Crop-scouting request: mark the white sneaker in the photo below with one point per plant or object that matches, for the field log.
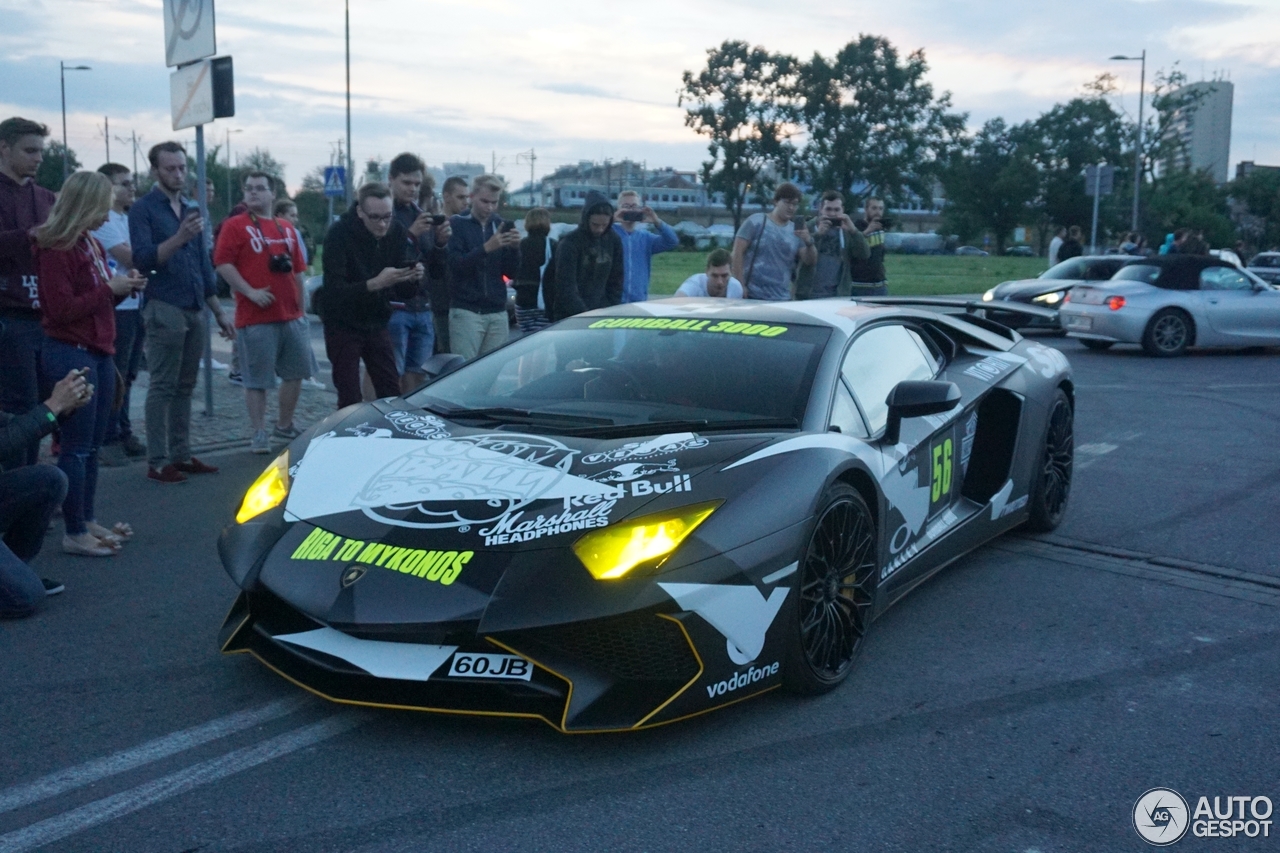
(217, 365)
(312, 382)
(260, 443)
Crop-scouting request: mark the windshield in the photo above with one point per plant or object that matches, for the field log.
(1071, 269)
(1147, 273)
(1265, 261)
(606, 371)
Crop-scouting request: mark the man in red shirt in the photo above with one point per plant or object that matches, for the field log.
(260, 256)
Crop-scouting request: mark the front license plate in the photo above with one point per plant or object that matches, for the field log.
(1079, 323)
(471, 665)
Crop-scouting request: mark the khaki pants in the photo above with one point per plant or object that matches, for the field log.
(472, 334)
(174, 345)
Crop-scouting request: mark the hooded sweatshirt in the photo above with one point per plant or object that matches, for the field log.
(588, 268)
(352, 256)
(22, 207)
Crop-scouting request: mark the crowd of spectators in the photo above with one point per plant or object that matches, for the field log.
(97, 284)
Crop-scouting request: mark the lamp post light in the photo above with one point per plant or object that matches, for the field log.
(1137, 144)
(229, 132)
(350, 178)
(63, 68)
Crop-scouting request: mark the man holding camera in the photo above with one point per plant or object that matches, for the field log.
(260, 257)
(840, 246)
(412, 325)
(166, 233)
(639, 245)
(868, 276)
(482, 250)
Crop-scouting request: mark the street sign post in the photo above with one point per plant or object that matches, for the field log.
(335, 181)
(188, 31)
(1099, 180)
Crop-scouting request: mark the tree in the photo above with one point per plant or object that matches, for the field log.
(739, 102)
(1187, 199)
(990, 184)
(1257, 200)
(49, 174)
(871, 116)
(1064, 140)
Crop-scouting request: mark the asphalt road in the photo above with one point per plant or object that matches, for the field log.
(1020, 701)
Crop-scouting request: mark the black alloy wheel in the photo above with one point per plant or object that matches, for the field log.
(1167, 334)
(1053, 478)
(835, 585)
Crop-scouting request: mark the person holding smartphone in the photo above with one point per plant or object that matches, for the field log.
(768, 247)
(78, 295)
(639, 245)
(868, 276)
(483, 251)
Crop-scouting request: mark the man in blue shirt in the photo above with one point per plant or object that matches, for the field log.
(166, 233)
(483, 251)
(638, 245)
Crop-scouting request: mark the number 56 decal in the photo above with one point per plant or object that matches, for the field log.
(941, 481)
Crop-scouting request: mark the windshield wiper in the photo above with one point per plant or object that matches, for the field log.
(511, 414)
(658, 427)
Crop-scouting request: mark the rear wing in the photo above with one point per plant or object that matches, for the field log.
(976, 311)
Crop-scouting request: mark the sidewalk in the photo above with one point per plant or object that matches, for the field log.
(228, 425)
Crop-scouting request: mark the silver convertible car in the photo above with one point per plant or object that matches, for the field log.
(1169, 303)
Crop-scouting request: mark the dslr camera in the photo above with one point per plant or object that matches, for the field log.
(280, 263)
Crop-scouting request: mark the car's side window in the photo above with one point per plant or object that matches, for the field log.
(845, 414)
(1098, 272)
(1222, 278)
(879, 359)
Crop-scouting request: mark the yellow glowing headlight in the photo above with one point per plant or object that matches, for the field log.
(268, 491)
(614, 551)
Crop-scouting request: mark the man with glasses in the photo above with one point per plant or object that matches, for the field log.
(166, 234)
(639, 245)
(260, 257)
(114, 237)
(364, 268)
(768, 245)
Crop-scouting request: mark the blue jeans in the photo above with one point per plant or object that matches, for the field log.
(82, 430)
(129, 338)
(28, 496)
(21, 340)
(413, 335)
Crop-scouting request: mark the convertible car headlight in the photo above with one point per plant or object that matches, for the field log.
(1049, 298)
(268, 491)
(989, 295)
(612, 552)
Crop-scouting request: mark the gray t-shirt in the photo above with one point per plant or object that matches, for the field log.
(770, 257)
(826, 277)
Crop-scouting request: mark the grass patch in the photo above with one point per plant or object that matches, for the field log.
(909, 275)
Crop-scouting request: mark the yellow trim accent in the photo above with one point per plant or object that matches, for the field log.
(564, 716)
(678, 693)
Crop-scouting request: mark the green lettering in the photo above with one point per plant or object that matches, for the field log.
(307, 544)
(350, 549)
(456, 569)
(437, 568)
(370, 553)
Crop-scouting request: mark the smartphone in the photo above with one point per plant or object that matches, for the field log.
(507, 226)
(633, 216)
(835, 223)
(799, 223)
(439, 219)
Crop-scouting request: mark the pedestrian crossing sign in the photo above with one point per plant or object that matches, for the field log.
(335, 181)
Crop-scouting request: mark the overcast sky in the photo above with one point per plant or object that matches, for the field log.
(461, 81)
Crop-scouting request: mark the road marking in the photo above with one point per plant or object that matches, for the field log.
(71, 778)
(1091, 453)
(148, 794)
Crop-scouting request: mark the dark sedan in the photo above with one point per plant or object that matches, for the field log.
(1049, 288)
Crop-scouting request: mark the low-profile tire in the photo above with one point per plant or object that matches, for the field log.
(1098, 345)
(830, 612)
(1169, 332)
(1052, 486)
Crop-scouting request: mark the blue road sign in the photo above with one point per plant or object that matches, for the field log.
(335, 181)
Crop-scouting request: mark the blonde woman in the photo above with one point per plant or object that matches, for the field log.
(78, 295)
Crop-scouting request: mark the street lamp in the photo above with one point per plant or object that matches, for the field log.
(63, 68)
(350, 161)
(229, 132)
(1137, 145)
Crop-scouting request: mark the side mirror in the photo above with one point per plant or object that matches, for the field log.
(915, 399)
(441, 363)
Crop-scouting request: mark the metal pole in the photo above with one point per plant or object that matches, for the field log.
(1137, 154)
(202, 196)
(229, 169)
(1097, 194)
(62, 80)
(106, 134)
(350, 177)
